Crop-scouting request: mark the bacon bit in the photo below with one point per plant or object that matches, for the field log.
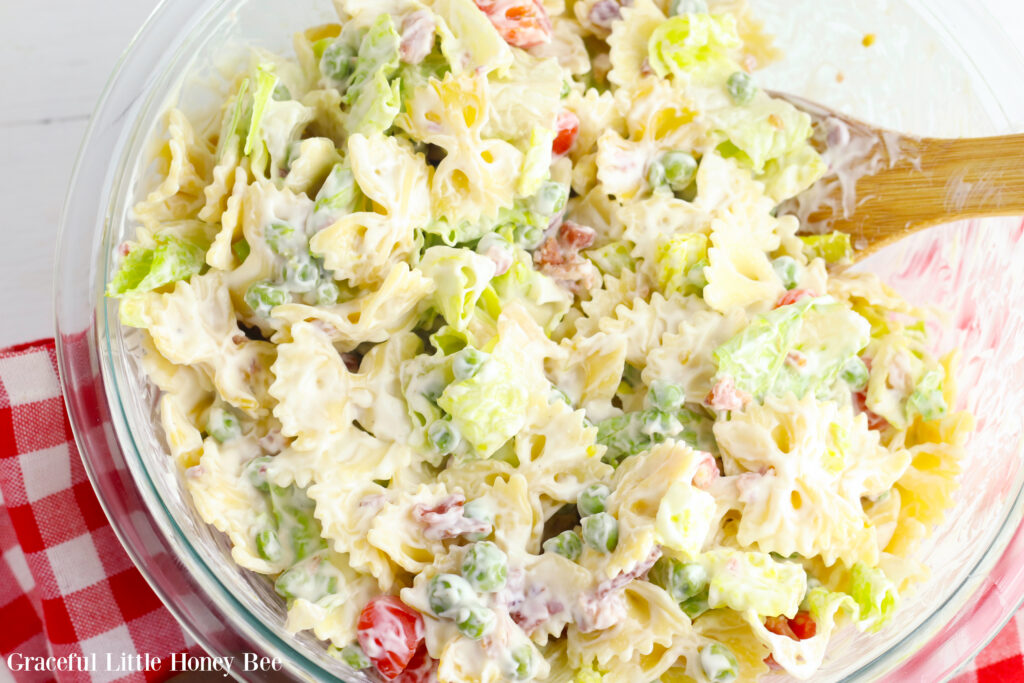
(645, 67)
(273, 441)
(606, 588)
(123, 249)
(559, 257)
(417, 36)
(776, 122)
(501, 258)
(575, 236)
(376, 501)
(899, 375)
(797, 359)
(567, 128)
(528, 606)
(604, 13)
(794, 295)
(351, 361)
(238, 338)
(325, 327)
(875, 421)
(595, 614)
(707, 471)
(726, 396)
(447, 519)
(521, 23)
(772, 664)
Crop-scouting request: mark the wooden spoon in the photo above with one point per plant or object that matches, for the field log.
(881, 185)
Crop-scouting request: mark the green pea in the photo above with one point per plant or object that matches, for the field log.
(268, 545)
(310, 580)
(281, 93)
(475, 621)
(591, 500)
(326, 293)
(786, 268)
(279, 237)
(855, 373)
(262, 297)
(656, 175)
(479, 510)
(680, 7)
(354, 656)
(741, 87)
(447, 592)
(680, 169)
(443, 436)
(695, 606)
(485, 566)
(519, 665)
(528, 236)
(567, 544)
(222, 424)
(306, 538)
(467, 362)
(302, 274)
(550, 198)
(601, 532)
(680, 580)
(337, 61)
(256, 471)
(719, 663)
(666, 396)
(566, 90)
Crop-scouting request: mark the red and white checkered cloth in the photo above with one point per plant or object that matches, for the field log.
(66, 584)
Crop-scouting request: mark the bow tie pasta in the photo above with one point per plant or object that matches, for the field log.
(477, 330)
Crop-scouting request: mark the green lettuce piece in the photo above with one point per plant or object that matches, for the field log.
(698, 45)
(612, 258)
(488, 408)
(875, 595)
(754, 581)
(144, 269)
(632, 433)
(414, 76)
(542, 297)
(536, 162)
(235, 126)
(266, 81)
(373, 99)
(927, 399)
(337, 57)
(460, 277)
(833, 247)
(679, 263)
(796, 348)
(763, 130)
(789, 175)
(512, 218)
(424, 379)
(339, 194)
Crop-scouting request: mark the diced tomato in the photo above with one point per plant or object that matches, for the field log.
(421, 668)
(389, 632)
(803, 626)
(567, 127)
(800, 627)
(521, 23)
(794, 295)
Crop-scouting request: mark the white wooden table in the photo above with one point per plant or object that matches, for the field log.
(55, 57)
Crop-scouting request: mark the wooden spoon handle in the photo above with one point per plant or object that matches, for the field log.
(932, 181)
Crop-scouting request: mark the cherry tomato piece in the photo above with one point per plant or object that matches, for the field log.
(389, 632)
(567, 127)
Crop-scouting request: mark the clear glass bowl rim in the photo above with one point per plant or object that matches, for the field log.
(999, 572)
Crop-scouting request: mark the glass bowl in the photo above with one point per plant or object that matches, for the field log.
(936, 68)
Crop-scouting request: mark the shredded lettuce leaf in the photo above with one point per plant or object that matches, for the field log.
(488, 408)
(632, 433)
(796, 348)
(833, 247)
(545, 301)
(679, 263)
(754, 581)
(266, 81)
(875, 595)
(696, 46)
(374, 100)
(612, 258)
(145, 269)
(460, 276)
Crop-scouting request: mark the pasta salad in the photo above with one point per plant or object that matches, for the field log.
(478, 331)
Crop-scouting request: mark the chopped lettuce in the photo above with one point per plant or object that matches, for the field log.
(489, 407)
(766, 129)
(679, 263)
(170, 259)
(875, 595)
(536, 162)
(699, 46)
(235, 127)
(833, 247)
(796, 348)
(424, 378)
(904, 381)
(612, 258)
(632, 433)
(460, 276)
(373, 99)
(545, 301)
(789, 175)
(468, 39)
(928, 400)
(754, 581)
(339, 194)
(266, 81)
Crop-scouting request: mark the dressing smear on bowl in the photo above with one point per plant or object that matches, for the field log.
(477, 333)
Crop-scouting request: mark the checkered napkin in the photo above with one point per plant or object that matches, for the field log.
(66, 585)
(68, 588)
